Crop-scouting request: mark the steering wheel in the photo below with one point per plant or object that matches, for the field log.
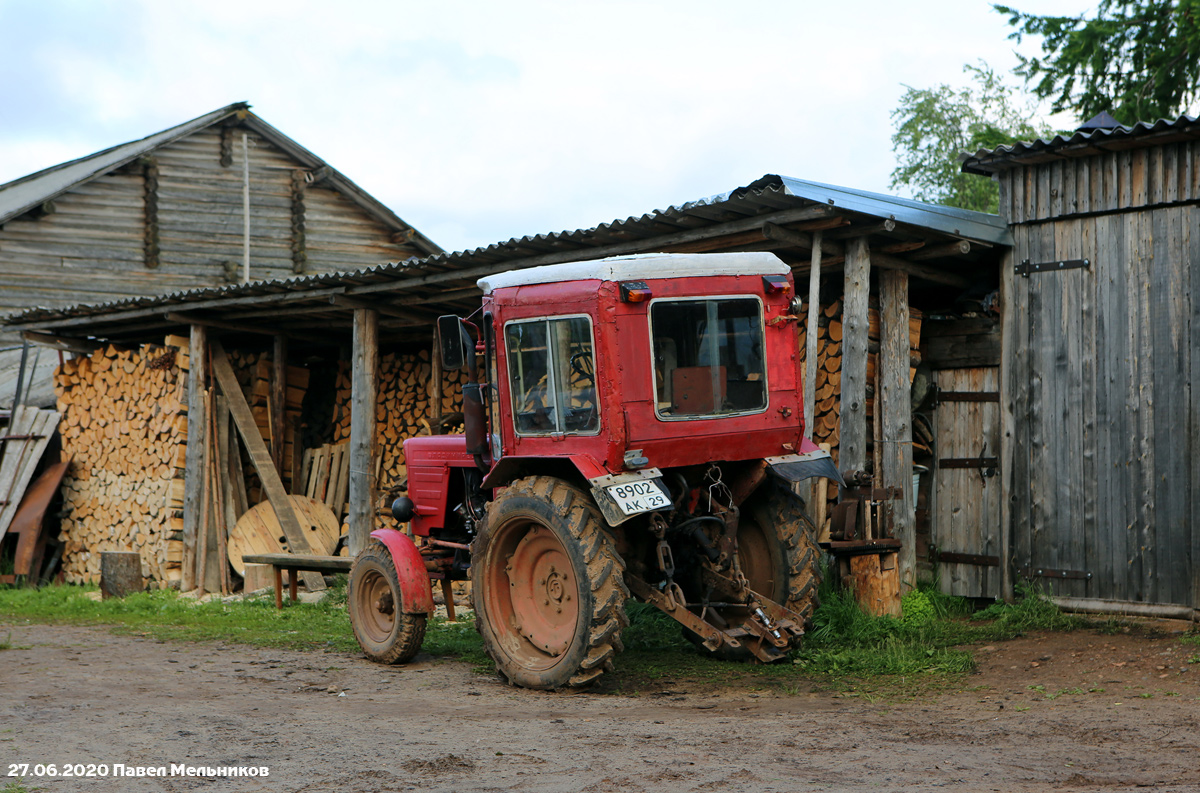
(584, 366)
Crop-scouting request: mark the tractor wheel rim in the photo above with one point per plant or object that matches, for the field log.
(755, 558)
(376, 607)
(539, 594)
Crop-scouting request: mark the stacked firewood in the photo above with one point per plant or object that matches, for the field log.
(124, 427)
(405, 406)
(828, 391)
(255, 372)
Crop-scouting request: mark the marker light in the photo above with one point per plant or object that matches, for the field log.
(774, 284)
(635, 292)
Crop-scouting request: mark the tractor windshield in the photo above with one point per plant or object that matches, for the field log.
(708, 357)
(552, 376)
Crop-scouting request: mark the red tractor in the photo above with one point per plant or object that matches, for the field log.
(633, 426)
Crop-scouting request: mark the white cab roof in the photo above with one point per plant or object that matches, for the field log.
(639, 268)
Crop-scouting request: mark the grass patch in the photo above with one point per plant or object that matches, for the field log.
(846, 650)
(14, 787)
(165, 615)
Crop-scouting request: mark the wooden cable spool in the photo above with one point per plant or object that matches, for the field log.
(258, 531)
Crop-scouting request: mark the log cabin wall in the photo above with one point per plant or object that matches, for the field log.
(172, 221)
(1106, 454)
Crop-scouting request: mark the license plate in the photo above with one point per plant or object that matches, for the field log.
(635, 497)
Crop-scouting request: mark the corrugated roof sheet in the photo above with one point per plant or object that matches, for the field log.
(654, 230)
(1082, 142)
(21, 195)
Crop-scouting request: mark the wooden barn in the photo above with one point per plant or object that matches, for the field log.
(221, 199)
(1100, 414)
(898, 286)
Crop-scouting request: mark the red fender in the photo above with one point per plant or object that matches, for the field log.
(416, 595)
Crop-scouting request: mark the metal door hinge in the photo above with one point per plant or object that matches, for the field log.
(1026, 267)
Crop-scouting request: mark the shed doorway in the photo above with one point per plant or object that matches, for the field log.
(965, 529)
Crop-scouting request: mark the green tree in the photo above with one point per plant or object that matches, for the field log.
(934, 125)
(1137, 59)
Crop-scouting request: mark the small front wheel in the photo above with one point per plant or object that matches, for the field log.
(386, 634)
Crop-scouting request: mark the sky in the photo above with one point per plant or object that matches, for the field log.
(481, 121)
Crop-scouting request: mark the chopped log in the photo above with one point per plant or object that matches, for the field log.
(875, 581)
(120, 574)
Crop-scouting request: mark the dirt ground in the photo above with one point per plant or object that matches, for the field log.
(1112, 713)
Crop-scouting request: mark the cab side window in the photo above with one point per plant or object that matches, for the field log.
(552, 376)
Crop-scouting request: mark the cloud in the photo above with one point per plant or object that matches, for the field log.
(489, 120)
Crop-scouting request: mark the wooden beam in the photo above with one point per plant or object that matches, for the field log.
(415, 317)
(364, 380)
(195, 458)
(852, 429)
(237, 327)
(64, 343)
(886, 226)
(895, 409)
(277, 405)
(886, 262)
(957, 248)
(268, 474)
(799, 239)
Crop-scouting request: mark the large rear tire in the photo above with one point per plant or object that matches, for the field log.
(548, 585)
(385, 633)
(778, 551)
(780, 558)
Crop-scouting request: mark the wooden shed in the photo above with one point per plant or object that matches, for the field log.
(221, 199)
(1101, 419)
(886, 279)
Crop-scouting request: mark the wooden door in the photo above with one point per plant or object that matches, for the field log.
(965, 529)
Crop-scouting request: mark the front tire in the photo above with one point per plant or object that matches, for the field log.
(548, 586)
(385, 633)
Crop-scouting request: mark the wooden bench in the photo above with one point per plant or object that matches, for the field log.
(293, 562)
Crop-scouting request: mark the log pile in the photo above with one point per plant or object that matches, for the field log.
(125, 427)
(828, 392)
(405, 407)
(254, 371)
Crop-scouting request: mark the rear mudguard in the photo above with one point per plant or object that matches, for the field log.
(416, 595)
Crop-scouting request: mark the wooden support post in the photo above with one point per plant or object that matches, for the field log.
(227, 512)
(436, 388)
(810, 338)
(852, 429)
(277, 405)
(364, 379)
(896, 414)
(816, 487)
(261, 458)
(213, 558)
(1008, 335)
(196, 460)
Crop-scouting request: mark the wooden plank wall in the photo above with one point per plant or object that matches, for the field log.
(1106, 444)
(93, 247)
(1101, 183)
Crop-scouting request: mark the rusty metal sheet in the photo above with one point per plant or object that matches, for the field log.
(27, 523)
